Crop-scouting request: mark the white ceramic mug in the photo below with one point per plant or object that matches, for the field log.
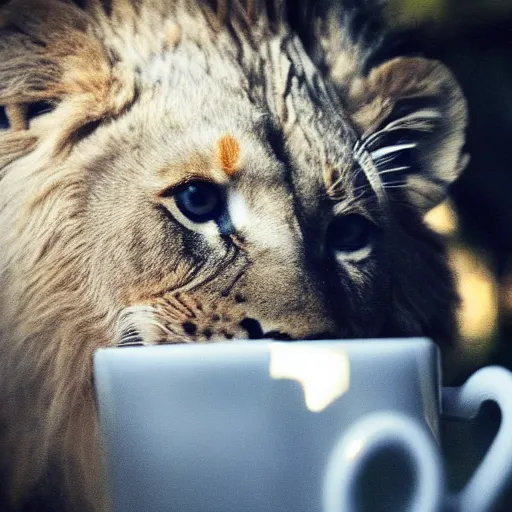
(392, 430)
(262, 426)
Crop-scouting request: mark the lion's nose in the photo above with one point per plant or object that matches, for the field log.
(253, 328)
(255, 331)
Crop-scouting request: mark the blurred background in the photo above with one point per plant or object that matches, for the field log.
(474, 38)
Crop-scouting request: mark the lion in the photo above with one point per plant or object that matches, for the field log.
(195, 171)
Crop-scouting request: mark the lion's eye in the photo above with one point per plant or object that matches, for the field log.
(350, 233)
(200, 201)
(4, 121)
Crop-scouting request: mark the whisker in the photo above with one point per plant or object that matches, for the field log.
(382, 161)
(395, 169)
(130, 337)
(419, 121)
(361, 187)
(375, 140)
(365, 188)
(348, 203)
(135, 325)
(391, 149)
(397, 185)
(131, 344)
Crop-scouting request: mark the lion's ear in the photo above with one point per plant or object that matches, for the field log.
(48, 56)
(409, 111)
(411, 117)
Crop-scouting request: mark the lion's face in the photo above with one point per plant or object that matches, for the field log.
(217, 196)
(203, 233)
(209, 225)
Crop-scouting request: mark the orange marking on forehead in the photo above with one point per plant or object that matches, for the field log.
(228, 151)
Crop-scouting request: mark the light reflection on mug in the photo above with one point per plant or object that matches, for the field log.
(323, 373)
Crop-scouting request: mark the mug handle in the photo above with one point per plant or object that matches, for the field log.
(484, 487)
(366, 438)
